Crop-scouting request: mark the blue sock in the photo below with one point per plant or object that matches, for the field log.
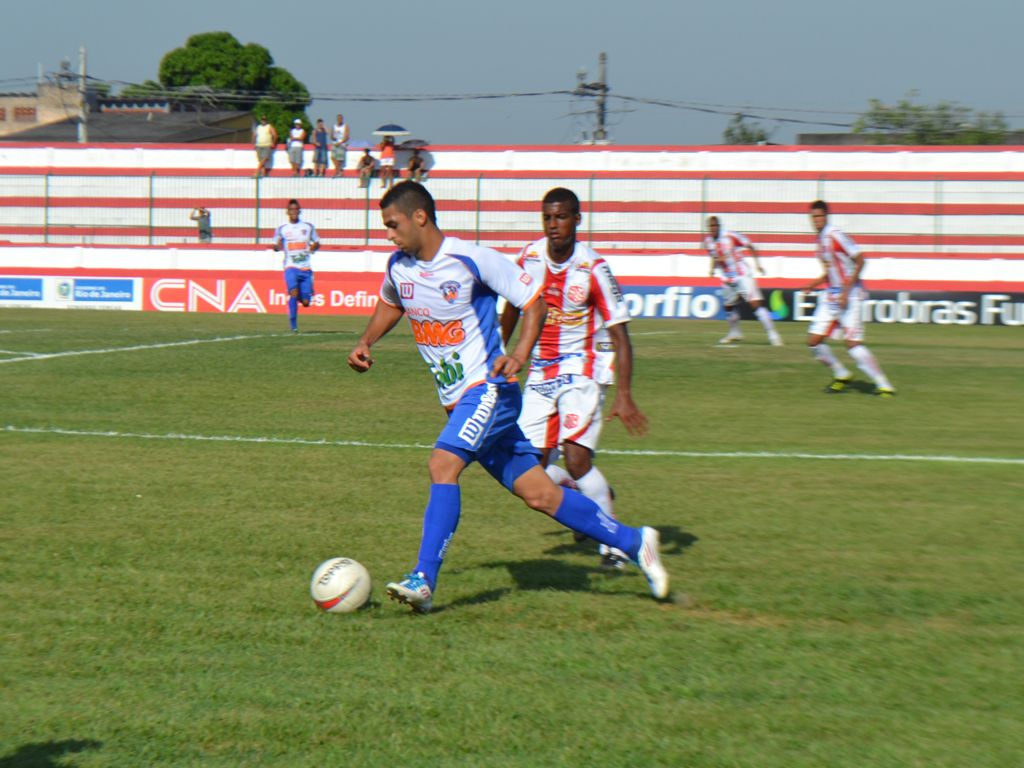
(581, 514)
(293, 312)
(440, 519)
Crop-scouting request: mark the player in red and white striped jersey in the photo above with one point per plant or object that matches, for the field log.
(725, 248)
(584, 339)
(840, 305)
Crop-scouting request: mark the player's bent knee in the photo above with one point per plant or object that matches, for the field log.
(444, 467)
(538, 491)
(543, 501)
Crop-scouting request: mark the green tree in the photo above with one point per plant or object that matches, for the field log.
(739, 131)
(215, 68)
(946, 123)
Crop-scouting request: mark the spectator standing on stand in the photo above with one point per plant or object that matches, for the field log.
(296, 144)
(339, 146)
(264, 137)
(320, 149)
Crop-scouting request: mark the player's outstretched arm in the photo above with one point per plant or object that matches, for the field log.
(823, 278)
(509, 320)
(384, 318)
(623, 406)
(757, 258)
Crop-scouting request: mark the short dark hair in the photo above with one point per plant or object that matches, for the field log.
(562, 195)
(293, 201)
(820, 205)
(409, 197)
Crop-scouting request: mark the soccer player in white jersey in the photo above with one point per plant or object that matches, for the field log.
(840, 307)
(725, 248)
(299, 240)
(583, 340)
(448, 289)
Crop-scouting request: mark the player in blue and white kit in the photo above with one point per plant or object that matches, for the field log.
(448, 289)
(299, 240)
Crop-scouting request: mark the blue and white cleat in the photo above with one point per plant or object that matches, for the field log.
(650, 562)
(412, 590)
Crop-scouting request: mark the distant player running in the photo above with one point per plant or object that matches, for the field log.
(583, 340)
(448, 289)
(738, 283)
(839, 308)
(299, 240)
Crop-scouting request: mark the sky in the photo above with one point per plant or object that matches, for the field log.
(816, 61)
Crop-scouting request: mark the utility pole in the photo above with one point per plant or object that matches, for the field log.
(599, 90)
(83, 103)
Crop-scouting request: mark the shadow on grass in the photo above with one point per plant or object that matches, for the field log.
(47, 754)
(673, 542)
(861, 387)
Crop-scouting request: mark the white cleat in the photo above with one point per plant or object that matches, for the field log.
(412, 590)
(650, 562)
(731, 338)
(775, 339)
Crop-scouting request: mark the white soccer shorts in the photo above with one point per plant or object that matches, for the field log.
(744, 287)
(829, 318)
(565, 408)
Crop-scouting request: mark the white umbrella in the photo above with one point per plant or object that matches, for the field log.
(390, 129)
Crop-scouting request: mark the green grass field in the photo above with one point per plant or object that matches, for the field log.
(828, 611)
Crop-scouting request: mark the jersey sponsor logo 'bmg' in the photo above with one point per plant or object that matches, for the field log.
(434, 333)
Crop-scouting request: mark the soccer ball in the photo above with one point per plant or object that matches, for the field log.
(340, 585)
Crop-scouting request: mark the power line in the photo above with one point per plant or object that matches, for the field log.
(780, 114)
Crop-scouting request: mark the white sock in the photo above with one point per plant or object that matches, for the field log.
(825, 357)
(559, 475)
(733, 316)
(765, 317)
(595, 487)
(867, 363)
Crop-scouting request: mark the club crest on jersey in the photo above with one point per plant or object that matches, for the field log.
(577, 294)
(405, 290)
(450, 290)
(525, 279)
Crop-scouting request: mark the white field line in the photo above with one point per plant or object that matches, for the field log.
(420, 446)
(137, 347)
(20, 353)
(25, 330)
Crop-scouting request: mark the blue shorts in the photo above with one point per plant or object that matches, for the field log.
(301, 279)
(484, 427)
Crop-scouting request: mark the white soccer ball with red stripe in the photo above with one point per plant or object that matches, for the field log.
(340, 585)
